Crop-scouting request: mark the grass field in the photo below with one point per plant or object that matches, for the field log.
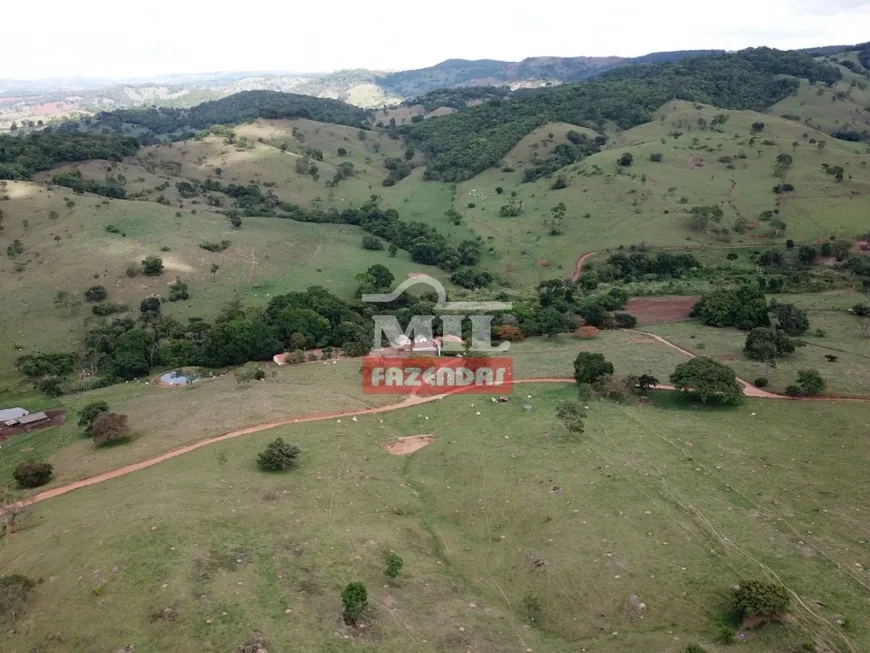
(668, 504)
(848, 376)
(609, 206)
(267, 256)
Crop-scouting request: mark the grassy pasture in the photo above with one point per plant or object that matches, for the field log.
(629, 205)
(267, 256)
(668, 503)
(166, 418)
(848, 376)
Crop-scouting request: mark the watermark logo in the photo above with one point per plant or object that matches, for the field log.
(433, 373)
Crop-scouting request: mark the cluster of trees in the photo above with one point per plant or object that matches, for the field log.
(746, 308)
(460, 145)
(579, 147)
(621, 265)
(21, 156)
(78, 184)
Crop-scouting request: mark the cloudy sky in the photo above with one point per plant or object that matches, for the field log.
(123, 40)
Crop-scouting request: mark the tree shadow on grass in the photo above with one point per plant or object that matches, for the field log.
(676, 400)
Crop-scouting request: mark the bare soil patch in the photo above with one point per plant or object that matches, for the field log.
(658, 310)
(405, 446)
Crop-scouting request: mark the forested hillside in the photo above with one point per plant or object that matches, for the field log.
(236, 109)
(463, 144)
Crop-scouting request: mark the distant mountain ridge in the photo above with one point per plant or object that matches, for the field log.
(53, 98)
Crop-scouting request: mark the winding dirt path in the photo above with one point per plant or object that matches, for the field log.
(578, 267)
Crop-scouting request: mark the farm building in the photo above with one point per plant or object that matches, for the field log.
(10, 416)
(30, 420)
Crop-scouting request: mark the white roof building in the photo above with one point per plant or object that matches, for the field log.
(12, 414)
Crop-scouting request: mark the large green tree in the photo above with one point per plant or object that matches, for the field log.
(708, 379)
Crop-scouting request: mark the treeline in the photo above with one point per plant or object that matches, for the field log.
(458, 98)
(460, 145)
(78, 184)
(21, 156)
(233, 110)
(423, 242)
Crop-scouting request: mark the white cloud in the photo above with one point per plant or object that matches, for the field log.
(108, 38)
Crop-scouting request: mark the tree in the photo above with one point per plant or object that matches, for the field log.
(782, 165)
(591, 367)
(277, 456)
(152, 266)
(355, 598)
(32, 473)
(394, 565)
(646, 382)
(236, 221)
(11, 507)
(625, 320)
(571, 415)
(377, 277)
(552, 321)
(757, 126)
(556, 218)
(656, 157)
(810, 382)
(758, 598)
(392, 250)
(109, 427)
(372, 242)
(90, 413)
(150, 306)
(807, 254)
(297, 341)
(764, 344)
(625, 160)
(791, 319)
(703, 215)
(214, 270)
(708, 379)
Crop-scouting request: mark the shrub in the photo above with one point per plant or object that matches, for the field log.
(372, 242)
(625, 160)
(355, 348)
(591, 368)
(587, 332)
(754, 598)
(810, 382)
(559, 183)
(150, 306)
(90, 413)
(509, 333)
(108, 309)
(96, 293)
(695, 648)
(215, 247)
(760, 382)
(152, 266)
(132, 271)
(355, 598)
(33, 473)
(109, 427)
(793, 390)
(178, 291)
(50, 386)
(656, 157)
(277, 456)
(499, 190)
(14, 592)
(394, 565)
(625, 320)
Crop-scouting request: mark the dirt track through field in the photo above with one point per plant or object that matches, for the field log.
(749, 390)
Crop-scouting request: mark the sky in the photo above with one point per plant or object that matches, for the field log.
(106, 38)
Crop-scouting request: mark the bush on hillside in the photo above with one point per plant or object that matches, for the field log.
(96, 293)
(625, 320)
(372, 242)
(591, 367)
(152, 266)
(277, 456)
(32, 473)
(355, 599)
(14, 591)
(810, 382)
(758, 598)
(90, 413)
(760, 382)
(109, 427)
